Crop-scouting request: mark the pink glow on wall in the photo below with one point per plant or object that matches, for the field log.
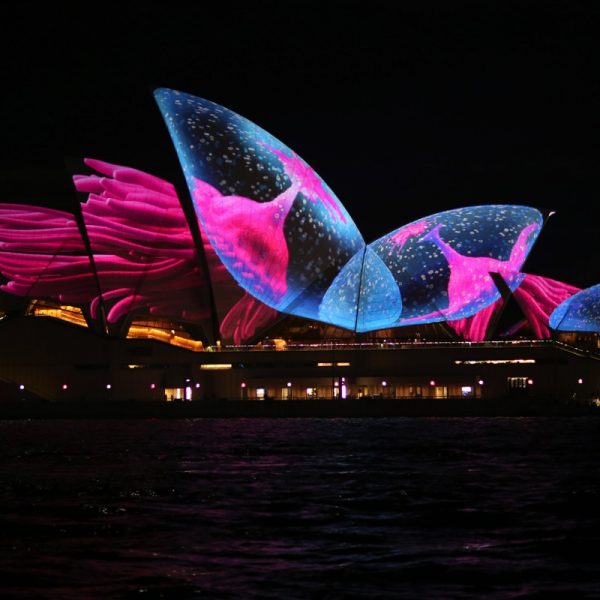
(474, 328)
(307, 182)
(246, 318)
(470, 276)
(31, 229)
(408, 231)
(249, 236)
(537, 297)
(143, 250)
(39, 249)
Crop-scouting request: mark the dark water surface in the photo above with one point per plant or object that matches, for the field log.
(300, 508)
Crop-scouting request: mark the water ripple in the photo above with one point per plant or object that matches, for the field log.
(300, 508)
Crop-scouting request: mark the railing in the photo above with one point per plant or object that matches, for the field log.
(411, 345)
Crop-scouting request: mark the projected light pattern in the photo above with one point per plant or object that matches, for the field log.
(581, 312)
(275, 238)
(437, 268)
(475, 327)
(272, 220)
(364, 296)
(42, 254)
(245, 319)
(142, 248)
(537, 297)
(288, 241)
(251, 245)
(138, 218)
(143, 252)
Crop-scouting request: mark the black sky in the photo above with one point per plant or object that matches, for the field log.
(404, 108)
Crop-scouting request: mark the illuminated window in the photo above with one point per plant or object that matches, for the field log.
(415, 391)
(172, 394)
(70, 314)
(440, 391)
(517, 383)
(260, 393)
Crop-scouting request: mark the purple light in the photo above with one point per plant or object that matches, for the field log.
(470, 276)
(244, 232)
(275, 224)
(408, 231)
(268, 222)
(143, 250)
(536, 296)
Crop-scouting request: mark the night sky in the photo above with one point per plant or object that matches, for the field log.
(436, 107)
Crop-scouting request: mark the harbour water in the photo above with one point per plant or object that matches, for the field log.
(300, 508)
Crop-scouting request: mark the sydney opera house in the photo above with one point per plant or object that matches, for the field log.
(250, 281)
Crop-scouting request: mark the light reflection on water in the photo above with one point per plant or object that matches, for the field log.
(300, 508)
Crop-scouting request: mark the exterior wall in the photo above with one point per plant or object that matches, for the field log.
(43, 356)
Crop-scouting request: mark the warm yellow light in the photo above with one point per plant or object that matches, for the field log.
(337, 364)
(164, 335)
(70, 314)
(216, 367)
